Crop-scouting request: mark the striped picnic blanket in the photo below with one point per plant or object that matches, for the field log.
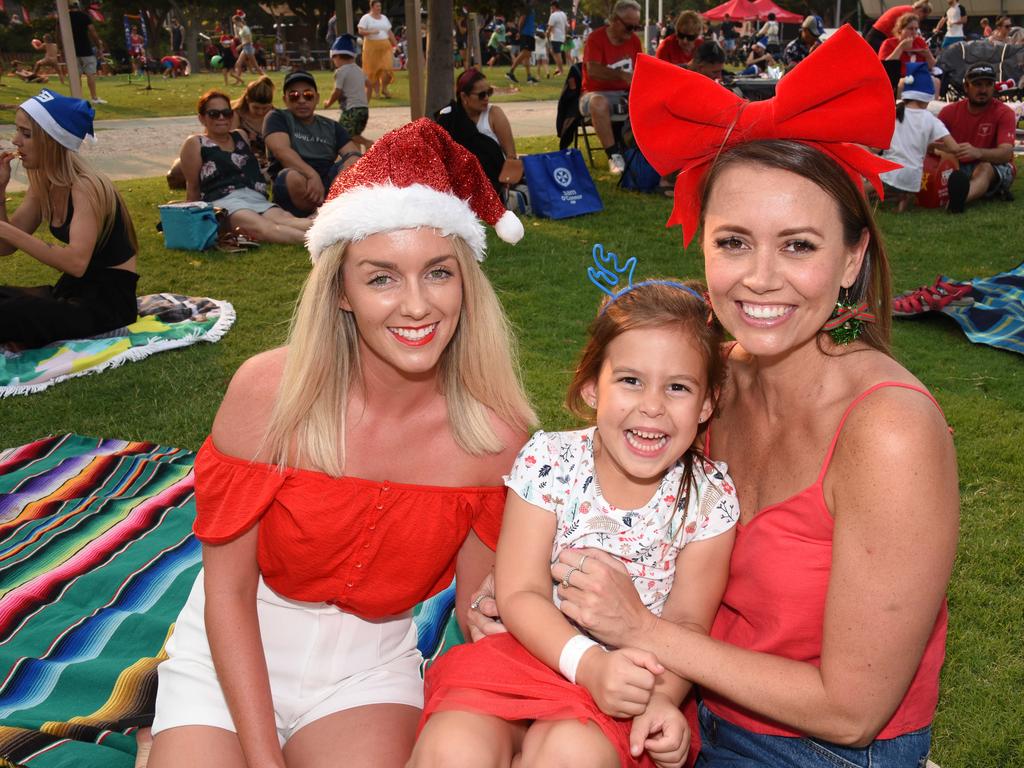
(996, 317)
(96, 559)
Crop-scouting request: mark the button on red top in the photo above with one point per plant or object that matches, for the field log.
(307, 550)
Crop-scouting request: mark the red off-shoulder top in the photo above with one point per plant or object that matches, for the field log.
(372, 548)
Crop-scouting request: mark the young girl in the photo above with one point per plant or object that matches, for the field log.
(916, 130)
(633, 486)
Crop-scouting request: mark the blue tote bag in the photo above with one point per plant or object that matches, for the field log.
(189, 226)
(560, 185)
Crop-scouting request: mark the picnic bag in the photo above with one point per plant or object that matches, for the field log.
(189, 226)
(639, 174)
(935, 181)
(560, 185)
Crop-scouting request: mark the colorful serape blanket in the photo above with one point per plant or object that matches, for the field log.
(97, 558)
(166, 321)
(996, 317)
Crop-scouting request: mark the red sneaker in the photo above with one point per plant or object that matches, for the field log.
(932, 298)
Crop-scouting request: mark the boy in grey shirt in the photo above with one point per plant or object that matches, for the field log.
(349, 90)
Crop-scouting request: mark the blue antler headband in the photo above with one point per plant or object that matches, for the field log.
(606, 274)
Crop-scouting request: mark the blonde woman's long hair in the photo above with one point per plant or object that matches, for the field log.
(478, 370)
(58, 166)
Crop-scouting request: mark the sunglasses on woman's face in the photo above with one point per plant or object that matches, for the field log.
(304, 95)
(681, 36)
(216, 114)
(482, 95)
(631, 27)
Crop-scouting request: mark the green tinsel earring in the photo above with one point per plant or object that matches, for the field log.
(847, 320)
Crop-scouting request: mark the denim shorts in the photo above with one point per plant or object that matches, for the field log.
(724, 745)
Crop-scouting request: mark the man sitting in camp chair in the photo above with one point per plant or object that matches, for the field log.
(984, 129)
(608, 58)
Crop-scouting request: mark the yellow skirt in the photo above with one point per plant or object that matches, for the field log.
(377, 59)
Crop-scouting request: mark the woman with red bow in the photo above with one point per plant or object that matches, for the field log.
(827, 647)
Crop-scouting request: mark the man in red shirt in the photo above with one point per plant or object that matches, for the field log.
(882, 28)
(608, 59)
(984, 129)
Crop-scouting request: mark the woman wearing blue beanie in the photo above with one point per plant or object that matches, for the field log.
(95, 292)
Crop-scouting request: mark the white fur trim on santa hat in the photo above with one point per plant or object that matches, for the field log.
(358, 213)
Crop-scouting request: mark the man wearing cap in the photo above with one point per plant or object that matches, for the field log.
(984, 129)
(810, 38)
(87, 46)
(307, 149)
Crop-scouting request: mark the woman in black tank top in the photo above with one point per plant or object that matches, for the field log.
(95, 292)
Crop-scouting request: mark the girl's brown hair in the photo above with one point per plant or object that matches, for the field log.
(653, 304)
(874, 282)
(257, 92)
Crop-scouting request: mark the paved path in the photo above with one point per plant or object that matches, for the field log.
(146, 147)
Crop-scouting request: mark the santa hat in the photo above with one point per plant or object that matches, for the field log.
(68, 121)
(918, 85)
(416, 176)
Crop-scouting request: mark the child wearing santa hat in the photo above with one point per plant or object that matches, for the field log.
(349, 475)
(95, 292)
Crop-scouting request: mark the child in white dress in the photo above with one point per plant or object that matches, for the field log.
(916, 130)
(634, 486)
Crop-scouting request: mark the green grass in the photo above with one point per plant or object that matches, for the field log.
(171, 397)
(128, 97)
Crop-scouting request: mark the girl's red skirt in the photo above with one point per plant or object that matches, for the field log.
(498, 676)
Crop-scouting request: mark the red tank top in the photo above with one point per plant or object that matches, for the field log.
(370, 548)
(775, 599)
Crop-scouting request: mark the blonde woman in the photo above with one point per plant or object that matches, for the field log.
(96, 253)
(378, 43)
(349, 474)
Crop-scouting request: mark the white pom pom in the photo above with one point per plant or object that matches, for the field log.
(908, 80)
(509, 228)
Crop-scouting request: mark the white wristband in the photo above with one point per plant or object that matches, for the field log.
(572, 652)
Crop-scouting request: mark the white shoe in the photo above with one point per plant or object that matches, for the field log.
(616, 164)
(99, 101)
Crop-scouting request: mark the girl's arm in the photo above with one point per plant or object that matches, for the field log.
(191, 160)
(503, 130)
(887, 585)
(233, 629)
(335, 96)
(28, 215)
(620, 682)
(72, 259)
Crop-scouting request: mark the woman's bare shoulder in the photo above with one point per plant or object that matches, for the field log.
(244, 413)
(492, 467)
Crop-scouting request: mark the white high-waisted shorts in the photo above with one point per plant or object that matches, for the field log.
(321, 661)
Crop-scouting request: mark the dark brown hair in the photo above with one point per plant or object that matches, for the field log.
(874, 282)
(209, 96)
(655, 305)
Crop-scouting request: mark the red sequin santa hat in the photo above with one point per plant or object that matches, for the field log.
(416, 176)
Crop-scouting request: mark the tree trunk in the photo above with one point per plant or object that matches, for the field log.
(474, 53)
(440, 54)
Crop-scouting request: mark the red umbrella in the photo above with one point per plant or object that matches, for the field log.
(741, 10)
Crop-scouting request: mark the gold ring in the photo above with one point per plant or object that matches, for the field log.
(568, 574)
(581, 562)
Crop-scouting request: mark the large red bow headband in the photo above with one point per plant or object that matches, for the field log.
(839, 94)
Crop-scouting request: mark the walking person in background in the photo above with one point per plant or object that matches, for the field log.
(527, 43)
(378, 46)
(87, 47)
(953, 20)
(246, 50)
(558, 26)
(349, 90)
